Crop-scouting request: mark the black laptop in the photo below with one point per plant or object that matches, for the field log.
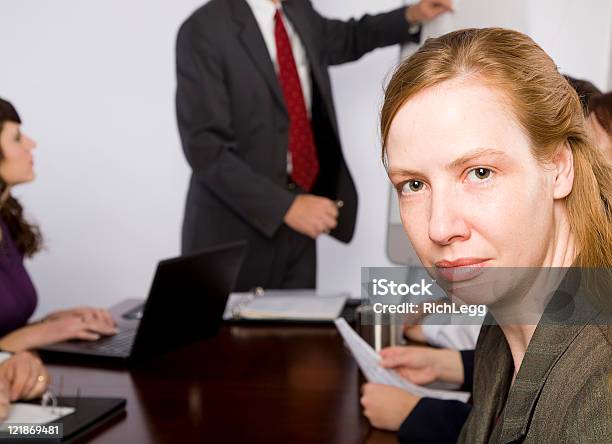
(185, 304)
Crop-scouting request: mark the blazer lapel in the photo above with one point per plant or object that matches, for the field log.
(250, 36)
(565, 316)
(299, 23)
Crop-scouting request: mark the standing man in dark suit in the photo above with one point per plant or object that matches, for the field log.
(258, 128)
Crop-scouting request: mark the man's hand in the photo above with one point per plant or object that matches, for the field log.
(26, 376)
(427, 10)
(386, 407)
(4, 399)
(424, 365)
(312, 215)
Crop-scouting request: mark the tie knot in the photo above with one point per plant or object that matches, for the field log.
(277, 16)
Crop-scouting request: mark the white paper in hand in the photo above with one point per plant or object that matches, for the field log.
(369, 363)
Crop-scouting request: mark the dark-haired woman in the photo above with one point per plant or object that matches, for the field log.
(597, 108)
(600, 122)
(19, 239)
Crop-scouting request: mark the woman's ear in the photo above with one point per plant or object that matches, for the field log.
(563, 162)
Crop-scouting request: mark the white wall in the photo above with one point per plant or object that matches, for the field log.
(577, 35)
(94, 82)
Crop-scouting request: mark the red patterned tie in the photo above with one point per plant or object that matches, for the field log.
(305, 165)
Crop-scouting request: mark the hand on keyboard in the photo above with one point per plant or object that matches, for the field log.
(59, 329)
(89, 314)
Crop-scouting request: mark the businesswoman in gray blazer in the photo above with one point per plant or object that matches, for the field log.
(487, 147)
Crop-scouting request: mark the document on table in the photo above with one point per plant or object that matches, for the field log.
(292, 305)
(368, 361)
(22, 413)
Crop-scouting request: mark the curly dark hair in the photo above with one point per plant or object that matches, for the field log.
(594, 102)
(585, 90)
(26, 236)
(601, 106)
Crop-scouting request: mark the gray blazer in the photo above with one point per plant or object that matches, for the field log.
(561, 393)
(234, 126)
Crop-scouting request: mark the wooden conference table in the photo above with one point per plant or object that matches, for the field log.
(251, 383)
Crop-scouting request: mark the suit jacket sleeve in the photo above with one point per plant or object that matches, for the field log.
(434, 420)
(439, 420)
(467, 359)
(205, 127)
(345, 41)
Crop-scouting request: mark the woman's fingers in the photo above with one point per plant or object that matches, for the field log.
(388, 352)
(73, 327)
(42, 382)
(19, 381)
(397, 356)
(32, 381)
(86, 335)
(87, 314)
(411, 357)
(101, 328)
(96, 325)
(106, 317)
(415, 333)
(95, 315)
(4, 399)
(22, 377)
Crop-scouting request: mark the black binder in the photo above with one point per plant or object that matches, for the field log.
(90, 414)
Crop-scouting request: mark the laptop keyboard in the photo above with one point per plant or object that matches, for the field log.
(120, 344)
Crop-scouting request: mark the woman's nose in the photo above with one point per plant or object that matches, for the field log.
(447, 222)
(29, 143)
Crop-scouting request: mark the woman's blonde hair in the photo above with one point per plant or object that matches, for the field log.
(545, 105)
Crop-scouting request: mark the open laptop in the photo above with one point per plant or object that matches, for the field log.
(185, 304)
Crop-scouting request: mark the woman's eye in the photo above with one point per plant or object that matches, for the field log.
(412, 186)
(479, 174)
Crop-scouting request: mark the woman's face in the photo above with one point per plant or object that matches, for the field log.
(16, 162)
(470, 191)
(603, 140)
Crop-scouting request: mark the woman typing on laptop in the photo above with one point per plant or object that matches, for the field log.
(19, 239)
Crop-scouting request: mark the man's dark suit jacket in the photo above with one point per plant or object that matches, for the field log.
(234, 125)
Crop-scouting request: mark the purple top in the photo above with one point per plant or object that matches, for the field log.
(17, 293)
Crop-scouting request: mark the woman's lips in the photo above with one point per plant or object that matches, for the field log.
(460, 269)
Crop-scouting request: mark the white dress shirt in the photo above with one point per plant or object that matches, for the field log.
(264, 11)
(456, 337)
